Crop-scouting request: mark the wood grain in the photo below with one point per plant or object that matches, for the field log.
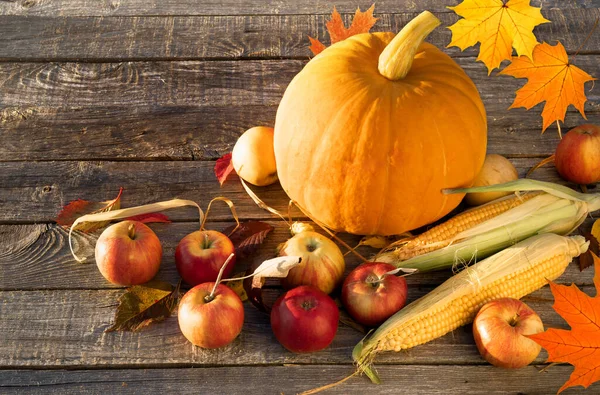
(65, 328)
(36, 257)
(198, 109)
(291, 379)
(221, 37)
(205, 132)
(37, 191)
(200, 83)
(238, 7)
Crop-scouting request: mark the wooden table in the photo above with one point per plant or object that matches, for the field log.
(146, 95)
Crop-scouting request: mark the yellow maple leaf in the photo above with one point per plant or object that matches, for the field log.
(550, 78)
(498, 26)
(596, 230)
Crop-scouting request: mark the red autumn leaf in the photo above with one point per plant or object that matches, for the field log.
(316, 46)
(579, 346)
(80, 207)
(248, 237)
(361, 23)
(223, 168)
(150, 218)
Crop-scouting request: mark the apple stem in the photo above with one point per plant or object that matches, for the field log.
(375, 280)
(212, 293)
(131, 231)
(206, 241)
(513, 321)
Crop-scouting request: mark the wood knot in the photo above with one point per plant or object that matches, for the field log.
(47, 189)
(29, 3)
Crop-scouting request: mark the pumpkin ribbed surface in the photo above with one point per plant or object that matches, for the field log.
(368, 155)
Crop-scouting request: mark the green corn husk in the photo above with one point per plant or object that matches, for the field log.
(558, 210)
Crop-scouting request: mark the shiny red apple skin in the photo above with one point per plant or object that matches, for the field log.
(200, 255)
(124, 260)
(499, 330)
(577, 156)
(304, 319)
(371, 304)
(210, 324)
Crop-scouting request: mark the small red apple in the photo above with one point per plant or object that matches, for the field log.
(210, 322)
(200, 255)
(577, 156)
(370, 297)
(499, 330)
(128, 253)
(304, 319)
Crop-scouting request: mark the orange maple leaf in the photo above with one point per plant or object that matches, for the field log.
(499, 26)
(361, 23)
(579, 346)
(550, 78)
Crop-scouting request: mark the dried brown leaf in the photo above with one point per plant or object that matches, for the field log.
(248, 237)
(238, 286)
(588, 258)
(145, 304)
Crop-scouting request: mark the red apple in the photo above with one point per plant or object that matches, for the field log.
(210, 322)
(577, 156)
(500, 328)
(371, 298)
(128, 253)
(200, 255)
(304, 319)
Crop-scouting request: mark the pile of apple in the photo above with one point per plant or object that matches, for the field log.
(211, 315)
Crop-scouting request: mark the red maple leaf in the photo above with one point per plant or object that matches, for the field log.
(80, 207)
(223, 168)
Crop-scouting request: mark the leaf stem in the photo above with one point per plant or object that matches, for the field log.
(585, 41)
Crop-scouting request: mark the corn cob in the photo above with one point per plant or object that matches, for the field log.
(513, 272)
(557, 209)
(441, 235)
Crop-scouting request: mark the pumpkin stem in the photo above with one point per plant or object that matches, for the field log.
(396, 59)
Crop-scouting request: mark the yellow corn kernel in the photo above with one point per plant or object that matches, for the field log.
(441, 235)
(512, 286)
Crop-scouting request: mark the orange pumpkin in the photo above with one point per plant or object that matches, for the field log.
(374, 127)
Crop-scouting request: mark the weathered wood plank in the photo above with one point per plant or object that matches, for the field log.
(146, 133)
(206, 133)
(196, 110)
(292, 379)
(219, 37)
(65, 328)
(48, 186)
(237, 7)
(36, 191)
(199, 83)
(35, 257)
